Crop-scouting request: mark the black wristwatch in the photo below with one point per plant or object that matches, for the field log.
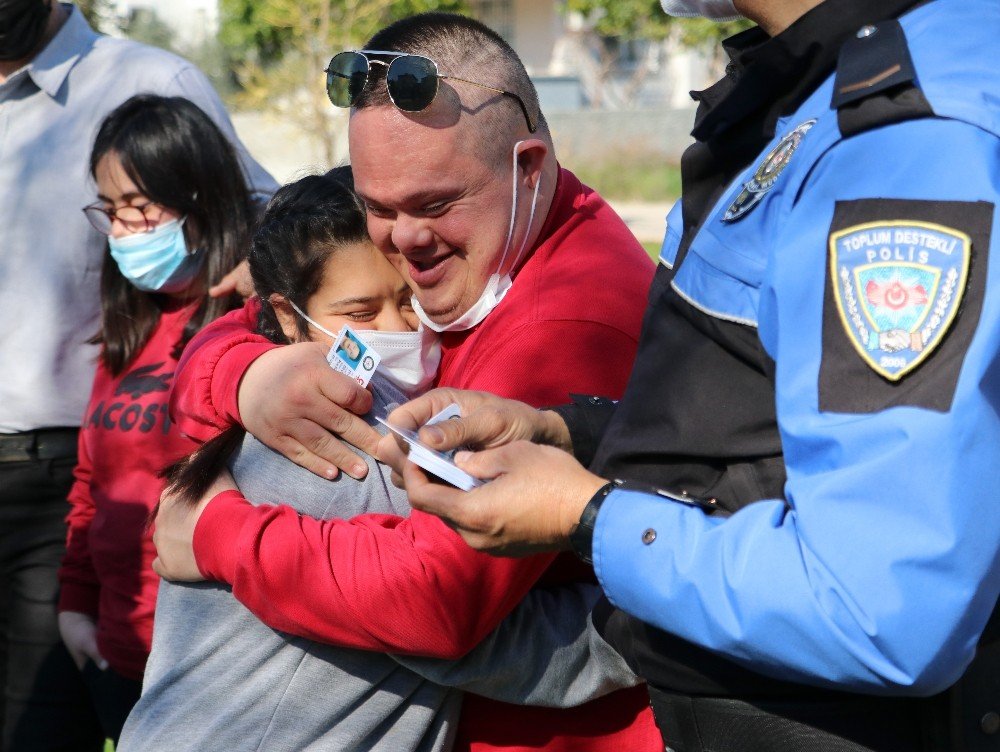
(581, 539)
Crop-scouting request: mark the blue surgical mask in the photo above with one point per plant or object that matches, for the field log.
(158, 260)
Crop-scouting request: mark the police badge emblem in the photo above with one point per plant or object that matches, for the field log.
(897, 287)
(766, 175)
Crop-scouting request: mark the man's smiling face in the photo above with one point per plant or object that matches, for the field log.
(436, 205)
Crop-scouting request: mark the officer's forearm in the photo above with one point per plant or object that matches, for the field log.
(583, 424)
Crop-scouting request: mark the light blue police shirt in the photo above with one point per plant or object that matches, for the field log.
(881, 571)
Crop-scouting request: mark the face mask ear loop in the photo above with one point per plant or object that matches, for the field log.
(527, 230)
(302, 313)
(513, 208)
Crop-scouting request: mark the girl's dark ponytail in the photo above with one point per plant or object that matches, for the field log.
(191, 477)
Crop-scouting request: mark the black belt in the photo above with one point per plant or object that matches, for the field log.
(43, 444)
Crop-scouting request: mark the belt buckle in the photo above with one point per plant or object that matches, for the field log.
(42, 444)
(18, 447)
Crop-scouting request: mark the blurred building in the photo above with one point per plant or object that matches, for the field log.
(569, 63)
(190, 22)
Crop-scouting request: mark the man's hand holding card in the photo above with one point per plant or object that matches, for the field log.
(440, 464)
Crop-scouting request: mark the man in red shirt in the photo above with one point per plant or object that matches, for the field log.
(533, 286)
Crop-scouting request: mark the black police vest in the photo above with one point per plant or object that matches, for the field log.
(698, 417)
(698, 423)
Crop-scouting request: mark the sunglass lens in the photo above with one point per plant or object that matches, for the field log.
(412, 82)
(345, 78)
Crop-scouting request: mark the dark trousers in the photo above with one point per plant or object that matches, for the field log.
(114, 697)
(45, 704)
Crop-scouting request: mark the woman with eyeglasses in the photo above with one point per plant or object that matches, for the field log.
(175, 207)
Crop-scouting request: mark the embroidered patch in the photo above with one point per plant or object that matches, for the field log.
(767, 174)
(897, 286)
(847, 382)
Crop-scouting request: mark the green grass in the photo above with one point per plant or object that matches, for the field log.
(631, 176)
(653, 249)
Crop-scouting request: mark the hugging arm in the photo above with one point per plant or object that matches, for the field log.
(546, 652)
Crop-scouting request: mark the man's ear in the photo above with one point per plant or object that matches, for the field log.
(531, 154)
(286, 317)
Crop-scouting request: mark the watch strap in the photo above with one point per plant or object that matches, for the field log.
(581, 539)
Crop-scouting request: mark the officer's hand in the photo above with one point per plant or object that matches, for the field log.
(487, 421)
(238, 281)
(294, 402)
(79, 633)
(533, 502)
(173, 534)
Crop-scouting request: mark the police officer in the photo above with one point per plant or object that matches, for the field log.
(793, 510)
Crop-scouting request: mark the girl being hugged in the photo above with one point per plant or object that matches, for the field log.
(176, 209)
(217, 676)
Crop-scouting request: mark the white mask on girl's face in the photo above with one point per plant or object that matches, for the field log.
(409, 360)
(717, 10)
(497, 285)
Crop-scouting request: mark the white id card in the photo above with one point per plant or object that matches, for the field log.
(350, 355)
(452, 411)
(437, 463)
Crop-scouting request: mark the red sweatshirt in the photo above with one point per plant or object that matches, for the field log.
(570, 323)
(125, 440)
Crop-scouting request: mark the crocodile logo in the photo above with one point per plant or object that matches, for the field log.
(143, 381)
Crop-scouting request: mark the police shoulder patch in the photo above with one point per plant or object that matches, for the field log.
(904, 280)
(897, 285)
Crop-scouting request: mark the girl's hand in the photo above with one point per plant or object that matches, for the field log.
(79, 633)
(173, 534)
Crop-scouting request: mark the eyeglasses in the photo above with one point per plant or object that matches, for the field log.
(134, 218)
(411, 80)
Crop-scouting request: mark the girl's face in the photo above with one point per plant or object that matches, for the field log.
(132, 211)
(361, 289)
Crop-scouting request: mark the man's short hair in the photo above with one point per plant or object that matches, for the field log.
(463, 47)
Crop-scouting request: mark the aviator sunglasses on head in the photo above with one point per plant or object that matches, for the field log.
(411, 80)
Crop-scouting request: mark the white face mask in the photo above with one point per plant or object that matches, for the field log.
(717, 10)
(409, 360)
(497, 285)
